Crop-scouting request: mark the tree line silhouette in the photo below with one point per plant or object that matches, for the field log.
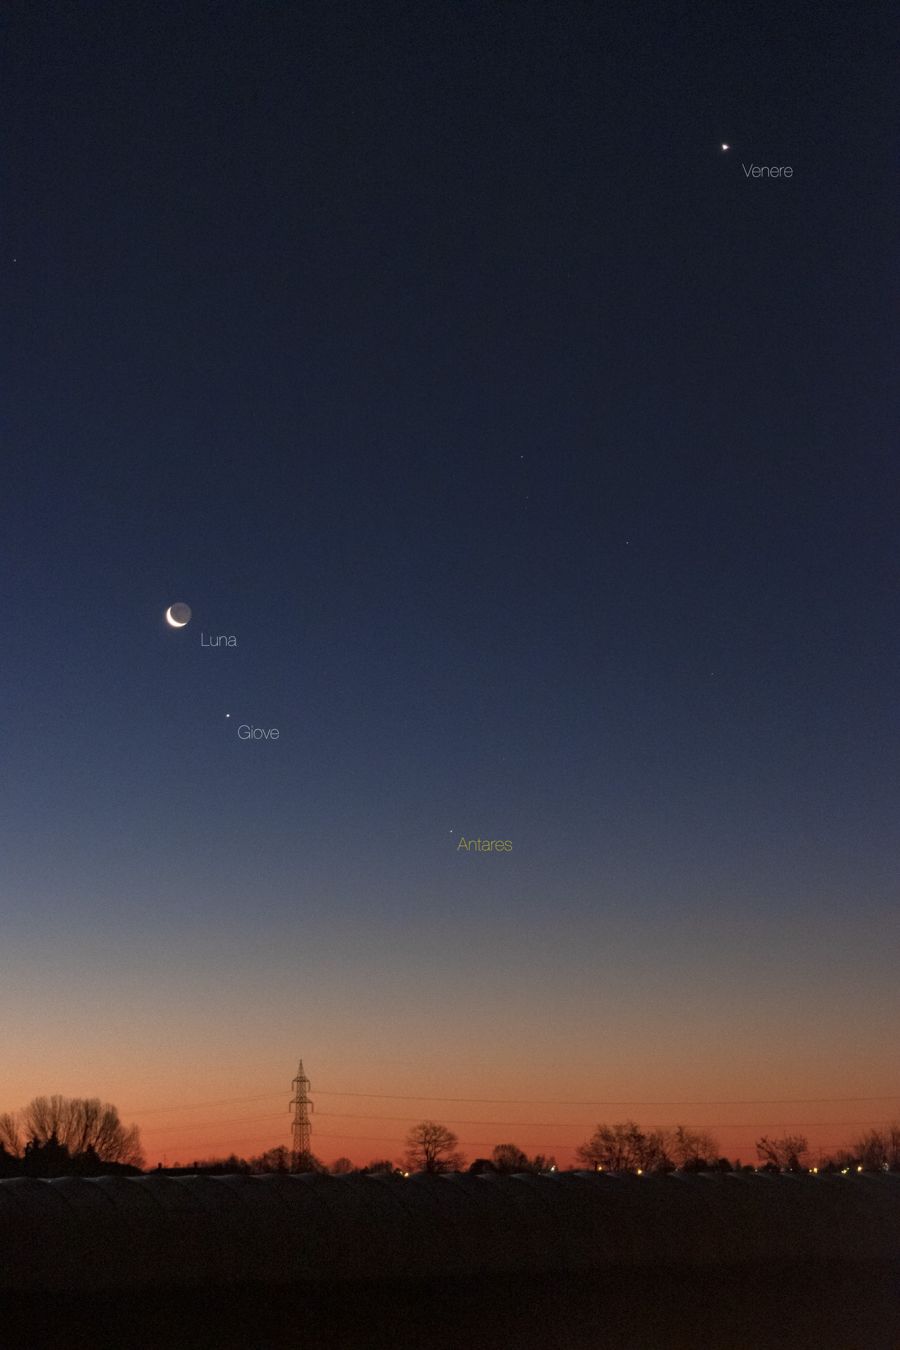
(62, 1136)
(82, 1136)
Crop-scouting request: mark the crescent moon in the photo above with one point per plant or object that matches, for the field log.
(174, 622)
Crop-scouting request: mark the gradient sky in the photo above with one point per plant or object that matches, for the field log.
(540, 462)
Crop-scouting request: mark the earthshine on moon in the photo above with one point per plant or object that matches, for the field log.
(178, 615)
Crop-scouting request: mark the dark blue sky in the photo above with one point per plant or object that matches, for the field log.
(539, 460)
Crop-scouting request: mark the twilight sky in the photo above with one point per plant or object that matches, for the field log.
(540, 462)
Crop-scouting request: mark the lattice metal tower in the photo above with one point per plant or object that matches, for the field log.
(302, 1128)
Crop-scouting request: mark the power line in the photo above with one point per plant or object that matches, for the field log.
(153, 1130)
(532, 1101)
(718, 1128)
(579, 1125)
(194, 1106)
(517, 1101)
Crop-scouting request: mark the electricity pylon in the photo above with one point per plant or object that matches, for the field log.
(302, 1128)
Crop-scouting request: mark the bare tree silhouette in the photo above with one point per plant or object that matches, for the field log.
(82, 1125)
(431, 1147)
(625, 1148)
(787, 1154)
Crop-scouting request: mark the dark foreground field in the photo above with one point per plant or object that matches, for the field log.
(459, 1262)
(747, 1308)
